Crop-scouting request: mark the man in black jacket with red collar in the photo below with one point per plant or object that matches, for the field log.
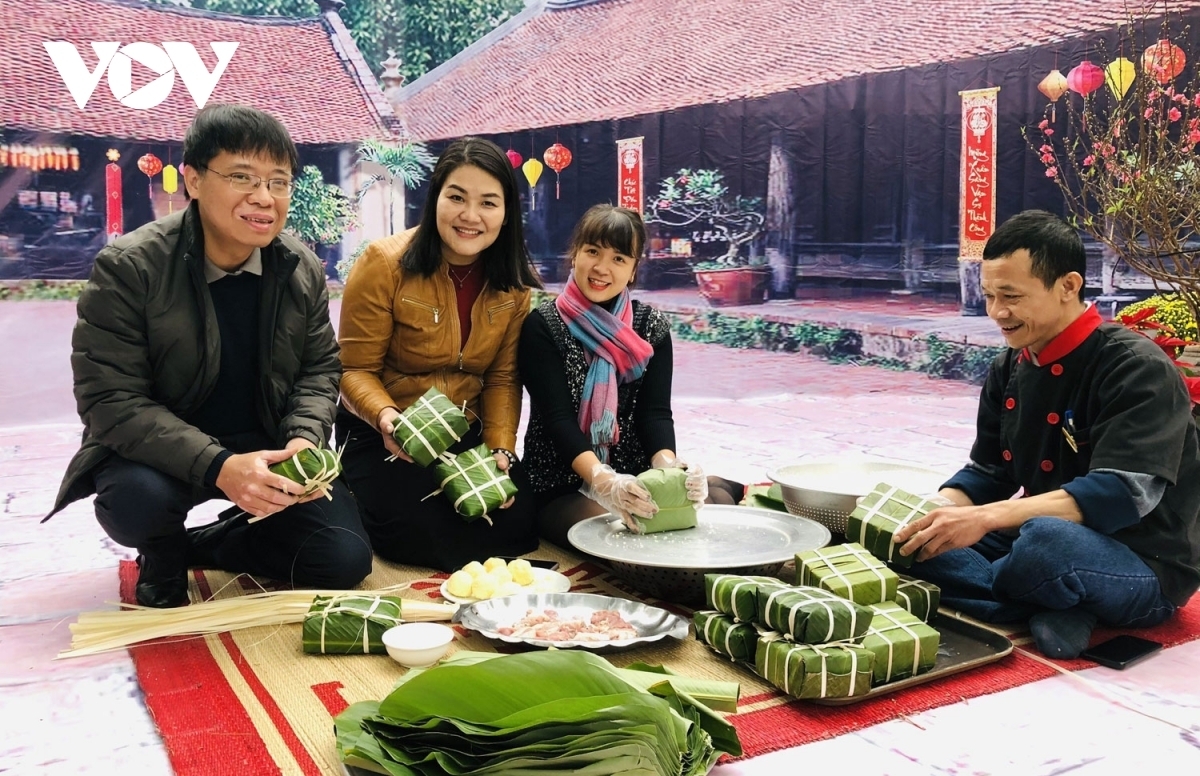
(1093, 424)
(202, 355)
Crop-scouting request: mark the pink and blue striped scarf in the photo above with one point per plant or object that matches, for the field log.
(615, 353)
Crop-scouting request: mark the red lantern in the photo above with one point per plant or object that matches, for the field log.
(514, 158)
(1163, 61)
(1085, 78)
(1054, 86)
(150, 165)
(557, 158)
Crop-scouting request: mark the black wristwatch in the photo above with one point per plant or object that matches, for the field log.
(509, 454)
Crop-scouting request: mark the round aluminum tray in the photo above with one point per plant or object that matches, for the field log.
(650, 622)
(725, 537)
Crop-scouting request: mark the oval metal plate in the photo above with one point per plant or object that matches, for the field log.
(724, 537)
(650, 622)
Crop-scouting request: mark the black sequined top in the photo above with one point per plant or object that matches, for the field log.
(553, 369)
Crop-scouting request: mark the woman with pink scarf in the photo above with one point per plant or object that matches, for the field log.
(597, 365)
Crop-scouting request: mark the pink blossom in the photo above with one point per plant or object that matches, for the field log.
(1047, 158)
(1196, 101)
(1181, 98)
(1046, 149)
(1045, 123)
(1170, 91)
(1051, 172)
(1049, 132)
(1089, 160)
(1174, 114)
(1194, 136)
(1153, 95)
(1149, 113)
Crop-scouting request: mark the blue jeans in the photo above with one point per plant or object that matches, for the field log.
(1051, 564)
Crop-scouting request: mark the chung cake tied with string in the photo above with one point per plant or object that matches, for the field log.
(811, 615)
(918, 597)
(737, 595)
(903, 645)
(429, 427)
(668, 489)
(815, 670)
(314, 468)
(725, 635)
(882, 512)
(350, 624)
(848, 570)
(473, 482)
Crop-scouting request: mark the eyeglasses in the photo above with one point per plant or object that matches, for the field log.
(245, 183)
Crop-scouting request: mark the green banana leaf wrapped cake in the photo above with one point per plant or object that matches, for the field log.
(473, 482)
(811, 615)
(848, 570)
(918, 597)
(815, 671)
(429, 427)
(903, 645)
(725, 635)
(883, 511)
(350, 624)
(314, 468)
(668, 488)
(738, 595)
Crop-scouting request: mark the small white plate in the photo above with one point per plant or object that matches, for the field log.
(544, 581)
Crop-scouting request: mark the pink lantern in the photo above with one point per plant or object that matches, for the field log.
(557, 158)
(514, 158)
(1085, 78)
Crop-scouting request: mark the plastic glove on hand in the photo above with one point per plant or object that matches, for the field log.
(620, 494)
(696, 483)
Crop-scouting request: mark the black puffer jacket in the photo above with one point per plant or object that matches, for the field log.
(146, 352)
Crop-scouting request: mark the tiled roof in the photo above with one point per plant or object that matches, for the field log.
(306, 72)
(617, 58)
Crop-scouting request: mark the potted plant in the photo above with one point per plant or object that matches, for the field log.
(699, 198)
(1125, 159)
(320, 213)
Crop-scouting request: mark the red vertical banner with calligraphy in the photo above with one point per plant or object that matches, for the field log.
(977, 191)
(629, 173)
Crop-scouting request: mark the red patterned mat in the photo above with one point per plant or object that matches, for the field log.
(249, 703)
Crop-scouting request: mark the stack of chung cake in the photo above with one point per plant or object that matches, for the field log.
(801, 639)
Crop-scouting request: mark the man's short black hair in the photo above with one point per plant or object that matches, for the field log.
(1054, 246)
(238, 129)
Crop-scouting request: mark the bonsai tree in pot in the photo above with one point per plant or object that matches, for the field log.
(320, 213)
(1124, 156)
(694, 198)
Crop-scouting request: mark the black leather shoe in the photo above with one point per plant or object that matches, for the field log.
(160, 585)
(204, 540)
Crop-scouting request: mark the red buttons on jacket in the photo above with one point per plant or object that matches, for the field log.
(1056, 370)
(1052, 418)
(1006, 455)
(1009, 403)
(1047, 466)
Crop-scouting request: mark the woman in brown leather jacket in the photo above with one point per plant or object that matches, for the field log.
(439, 305)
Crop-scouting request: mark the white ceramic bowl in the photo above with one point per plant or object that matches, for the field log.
(418, 644)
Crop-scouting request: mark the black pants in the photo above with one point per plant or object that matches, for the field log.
(319, 544)
(405, 527)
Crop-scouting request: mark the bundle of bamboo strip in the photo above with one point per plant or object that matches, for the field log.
(105, 631)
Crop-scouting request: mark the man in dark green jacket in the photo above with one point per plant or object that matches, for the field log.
(203, 354)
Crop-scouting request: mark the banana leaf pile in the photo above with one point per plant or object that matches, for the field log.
(543, 713)
(314, 468)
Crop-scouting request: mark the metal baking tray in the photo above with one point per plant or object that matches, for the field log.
(964, 646)
(650, 622)
(724, 537)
